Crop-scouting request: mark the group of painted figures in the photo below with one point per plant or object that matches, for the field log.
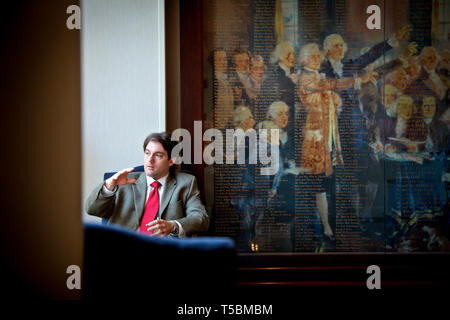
(335, 114)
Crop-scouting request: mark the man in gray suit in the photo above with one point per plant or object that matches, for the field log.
(125, 198)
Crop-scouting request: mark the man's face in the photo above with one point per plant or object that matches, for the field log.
(289, 59)
(400, 81)
(248, 123)
(445, 118)
(313, 60)
(156, 160)
(336, 51)
(281, 118)
(445, 59)
(257, 70)
(429, 107)
(389, 98)
(405, 109)
(241, 62)
(220, 61)
(429, 59)
(413, 69)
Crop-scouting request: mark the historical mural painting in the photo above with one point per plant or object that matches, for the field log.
(362, 119)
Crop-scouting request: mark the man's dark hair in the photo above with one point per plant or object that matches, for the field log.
(164, 138)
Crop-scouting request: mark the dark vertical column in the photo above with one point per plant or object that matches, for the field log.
(319, 18)
(263, 38)
(172, 51)
(313, 21)
(331, 15)
(191, 73)
(420, 18)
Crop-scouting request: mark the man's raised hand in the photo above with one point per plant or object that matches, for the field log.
(403, 32)
(369, 76)
(119, 179)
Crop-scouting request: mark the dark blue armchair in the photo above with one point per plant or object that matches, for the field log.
(123, 265)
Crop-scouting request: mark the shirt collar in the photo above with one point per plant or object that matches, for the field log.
(392, 111)
(162, 180)
(337, 65)
(430, 72)
(221, 75)
(335, 62)
(242, 75)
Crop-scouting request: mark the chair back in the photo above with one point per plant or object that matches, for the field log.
(122, 264)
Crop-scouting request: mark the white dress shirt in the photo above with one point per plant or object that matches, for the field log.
(150, 180)
(338, 66)
(400, 127)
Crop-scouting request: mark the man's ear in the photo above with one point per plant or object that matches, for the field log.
(172, 161)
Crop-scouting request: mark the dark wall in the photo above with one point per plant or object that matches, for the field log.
(40, 220)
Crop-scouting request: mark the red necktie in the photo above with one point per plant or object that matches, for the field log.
(151, 209)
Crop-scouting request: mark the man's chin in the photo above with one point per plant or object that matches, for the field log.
(337, 58)
(154, 175)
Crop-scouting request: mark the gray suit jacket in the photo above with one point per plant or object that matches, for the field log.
(180, 201)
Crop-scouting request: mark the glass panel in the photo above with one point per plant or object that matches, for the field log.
(357, 161)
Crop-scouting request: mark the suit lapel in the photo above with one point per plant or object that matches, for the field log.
(167, 194)
(139, 189)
